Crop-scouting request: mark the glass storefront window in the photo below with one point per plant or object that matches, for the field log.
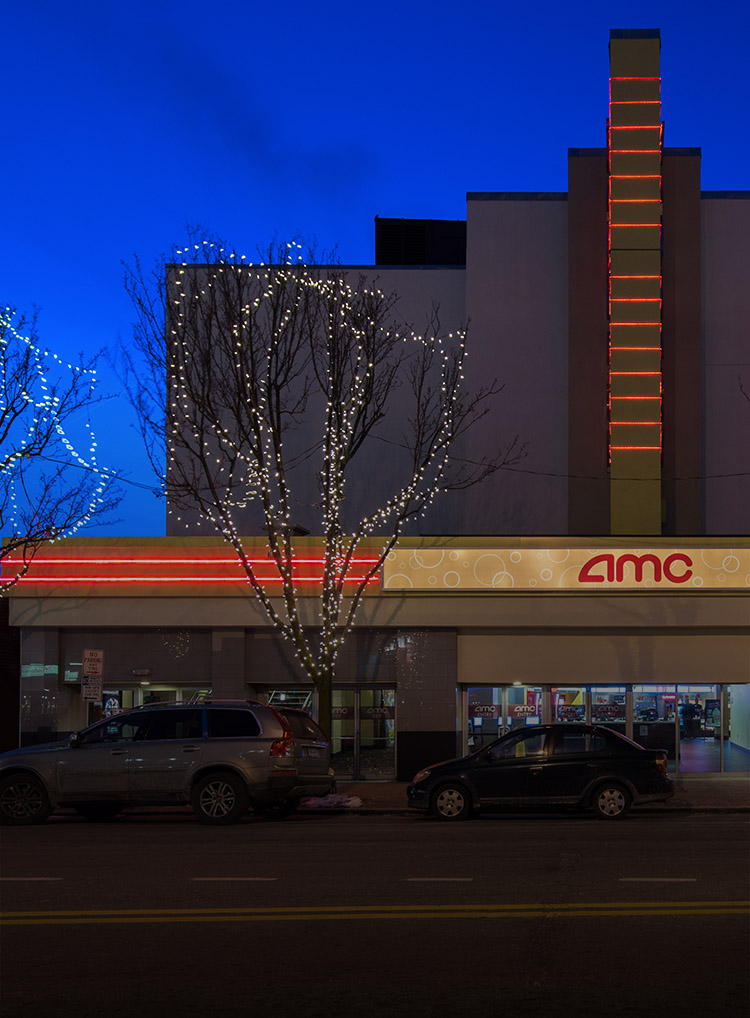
(485, 715)
(493, 710)
(569, 704)
(704, 728)
(608, 707)
(524, 706)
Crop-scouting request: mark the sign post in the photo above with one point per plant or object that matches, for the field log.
(91, 677)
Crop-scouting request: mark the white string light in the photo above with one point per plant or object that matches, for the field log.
(31, 412)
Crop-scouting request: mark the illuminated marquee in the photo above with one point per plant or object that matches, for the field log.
(583, 570)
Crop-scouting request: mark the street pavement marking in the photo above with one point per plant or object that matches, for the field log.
(658, 880)
(30, 878)
(438, 880)
(256, 879)
(362, 912)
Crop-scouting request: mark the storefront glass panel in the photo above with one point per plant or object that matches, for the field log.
(654, 719)
(484, 715)
(699, 712)
(343, 726)
(492, 711)
(363, 733)
(608, 707)
(736, 728)
(569, 704)
(377, 733)
(524, 706)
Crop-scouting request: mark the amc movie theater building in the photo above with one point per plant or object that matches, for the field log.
(605, 578)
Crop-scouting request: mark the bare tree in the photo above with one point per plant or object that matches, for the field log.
(251, 381)
(51, 484)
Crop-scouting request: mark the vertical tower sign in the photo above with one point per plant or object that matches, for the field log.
(634, 145)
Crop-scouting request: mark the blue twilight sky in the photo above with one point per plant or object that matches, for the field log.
(124, 121)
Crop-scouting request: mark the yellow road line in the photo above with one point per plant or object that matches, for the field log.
(309, 913)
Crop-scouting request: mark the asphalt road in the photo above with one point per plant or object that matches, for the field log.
(324, 915)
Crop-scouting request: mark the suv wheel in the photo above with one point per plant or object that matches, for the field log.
(23, 800)
(611, 801)
(451, 802)
(220, 799)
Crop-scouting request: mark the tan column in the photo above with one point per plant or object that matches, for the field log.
(635, 276)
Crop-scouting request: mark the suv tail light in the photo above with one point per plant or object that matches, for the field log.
(285, 745)
(661, 763)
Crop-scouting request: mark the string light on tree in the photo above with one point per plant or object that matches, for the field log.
(272, 368)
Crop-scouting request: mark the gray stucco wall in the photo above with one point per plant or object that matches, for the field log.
(517, 303)
(726, 332)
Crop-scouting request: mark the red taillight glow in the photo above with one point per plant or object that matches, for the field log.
(661, 763)
(285, 745)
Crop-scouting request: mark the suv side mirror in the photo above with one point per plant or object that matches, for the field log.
(75, 740)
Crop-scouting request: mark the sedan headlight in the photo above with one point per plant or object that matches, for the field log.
(421, 775)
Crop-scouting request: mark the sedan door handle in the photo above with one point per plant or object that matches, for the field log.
(535, 767)
(117, 752)
(190, 749)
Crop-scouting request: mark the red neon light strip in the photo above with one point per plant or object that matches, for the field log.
(613, 235)
(266, 560)
(30, 580)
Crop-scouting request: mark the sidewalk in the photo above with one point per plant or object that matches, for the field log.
(728, 793)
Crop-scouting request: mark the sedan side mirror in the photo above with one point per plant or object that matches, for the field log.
(75, 740)
(489, 757)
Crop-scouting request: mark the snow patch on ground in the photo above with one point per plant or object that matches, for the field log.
(332, 801)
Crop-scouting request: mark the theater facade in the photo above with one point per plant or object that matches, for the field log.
(457, 641)
(604, 578)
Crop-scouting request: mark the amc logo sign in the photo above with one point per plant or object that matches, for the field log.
(609, 568)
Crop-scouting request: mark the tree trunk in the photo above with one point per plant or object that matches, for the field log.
(325, 702)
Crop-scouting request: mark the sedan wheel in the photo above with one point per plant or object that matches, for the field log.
(220, 799)
(611, 802)
(451, 802)
(23, 801)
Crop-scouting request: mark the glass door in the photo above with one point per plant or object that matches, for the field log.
(363, 733)
(377, 733)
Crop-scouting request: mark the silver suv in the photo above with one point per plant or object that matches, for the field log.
(221, 757)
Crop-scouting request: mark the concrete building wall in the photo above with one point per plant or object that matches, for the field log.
(726, 340)
(517, 304)
(602, 657)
